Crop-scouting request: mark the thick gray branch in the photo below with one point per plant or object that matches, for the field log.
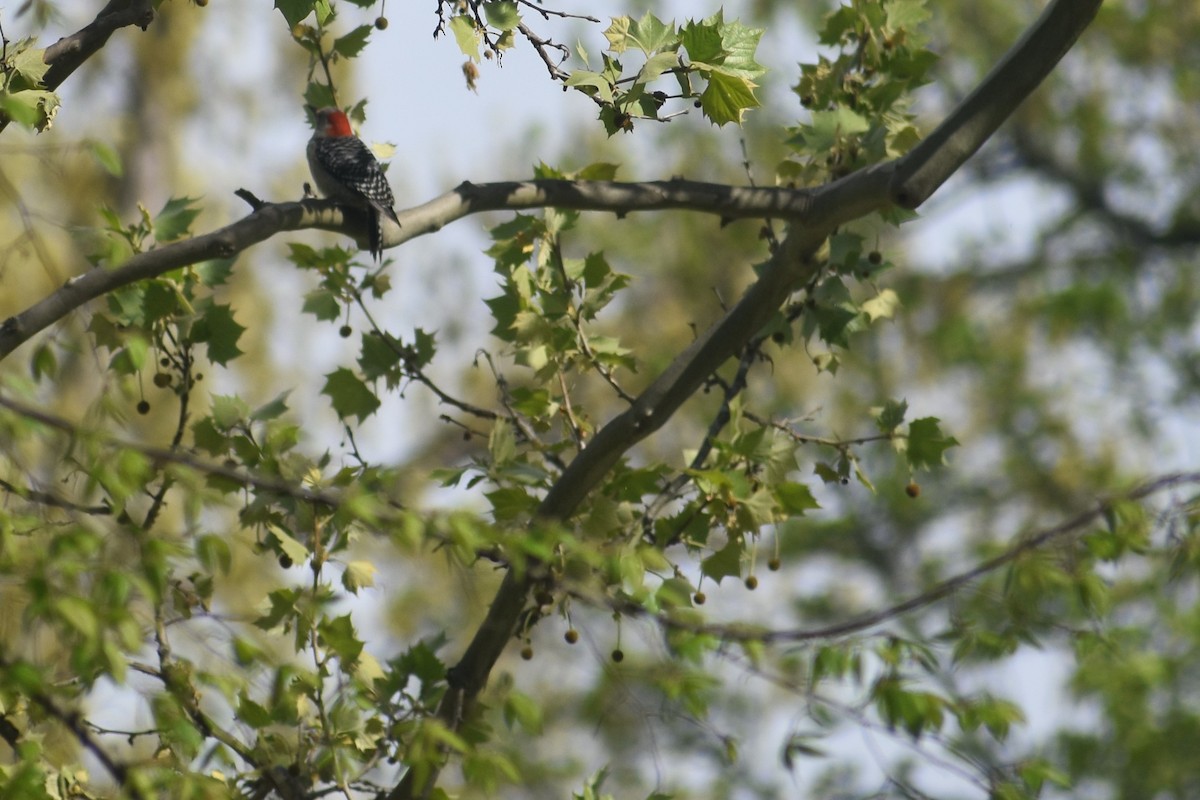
(728, 202)
(927, 166)
(224, 243)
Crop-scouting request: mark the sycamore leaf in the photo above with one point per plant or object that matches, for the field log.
(502, 14)
(358, 574)
(795, 498)
(351, 397)
(740, 44)
(465, 35)
(296, 10)
(353, 42)
(322, 303)
(220, 331)
(30, 64)
(649, 34)
(339, 636)
(107, 157)
(175, 218)
(891, 415)
(658, 64)
(724, 563)
(927, 443)
(702, 40)
(727, 98)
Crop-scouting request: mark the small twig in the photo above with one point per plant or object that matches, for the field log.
(569, 412)
(250, 198)
(541, 46)
(72, 721)
(54, 501)
(548, 13)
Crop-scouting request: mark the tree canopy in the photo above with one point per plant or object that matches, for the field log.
(847, 452)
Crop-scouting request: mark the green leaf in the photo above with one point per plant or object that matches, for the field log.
(175, 218)
(229, 411)
(649, 34)
(502, 14)
(740, 44)
(927, 443)
(220, 331)
(656, 65)
(502, 442)
(78, 614)
(599, 171)
(725, 562)
(421, 661)
(883, 306)
(296, 10)
(727, 97)
(351, 397)
(286, 544)
(702, 40)
(251, 713)
(353, 42)
(339, 636)
(29, 64)
(323, 304)
(273, 409)
(523, 710)
(283, 607)
(891, 416)
(463, 28)
(795, 498)
(107, 157)
(379, 356)
(358, 574)
(213, 553)
(215, 272)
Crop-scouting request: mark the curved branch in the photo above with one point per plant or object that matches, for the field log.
(267, 219)
(1068, 528)
(224, 243)
(68, 53)
(975, 119)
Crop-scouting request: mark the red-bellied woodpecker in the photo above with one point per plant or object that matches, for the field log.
(346, 171)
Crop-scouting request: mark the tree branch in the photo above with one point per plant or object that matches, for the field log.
(68, 53)
(267, 219)
(975, 119)
(747, 633)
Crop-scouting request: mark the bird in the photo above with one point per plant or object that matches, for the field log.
(346, 171)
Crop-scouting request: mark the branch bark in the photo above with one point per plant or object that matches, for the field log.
(268, 219)
(68, 53)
